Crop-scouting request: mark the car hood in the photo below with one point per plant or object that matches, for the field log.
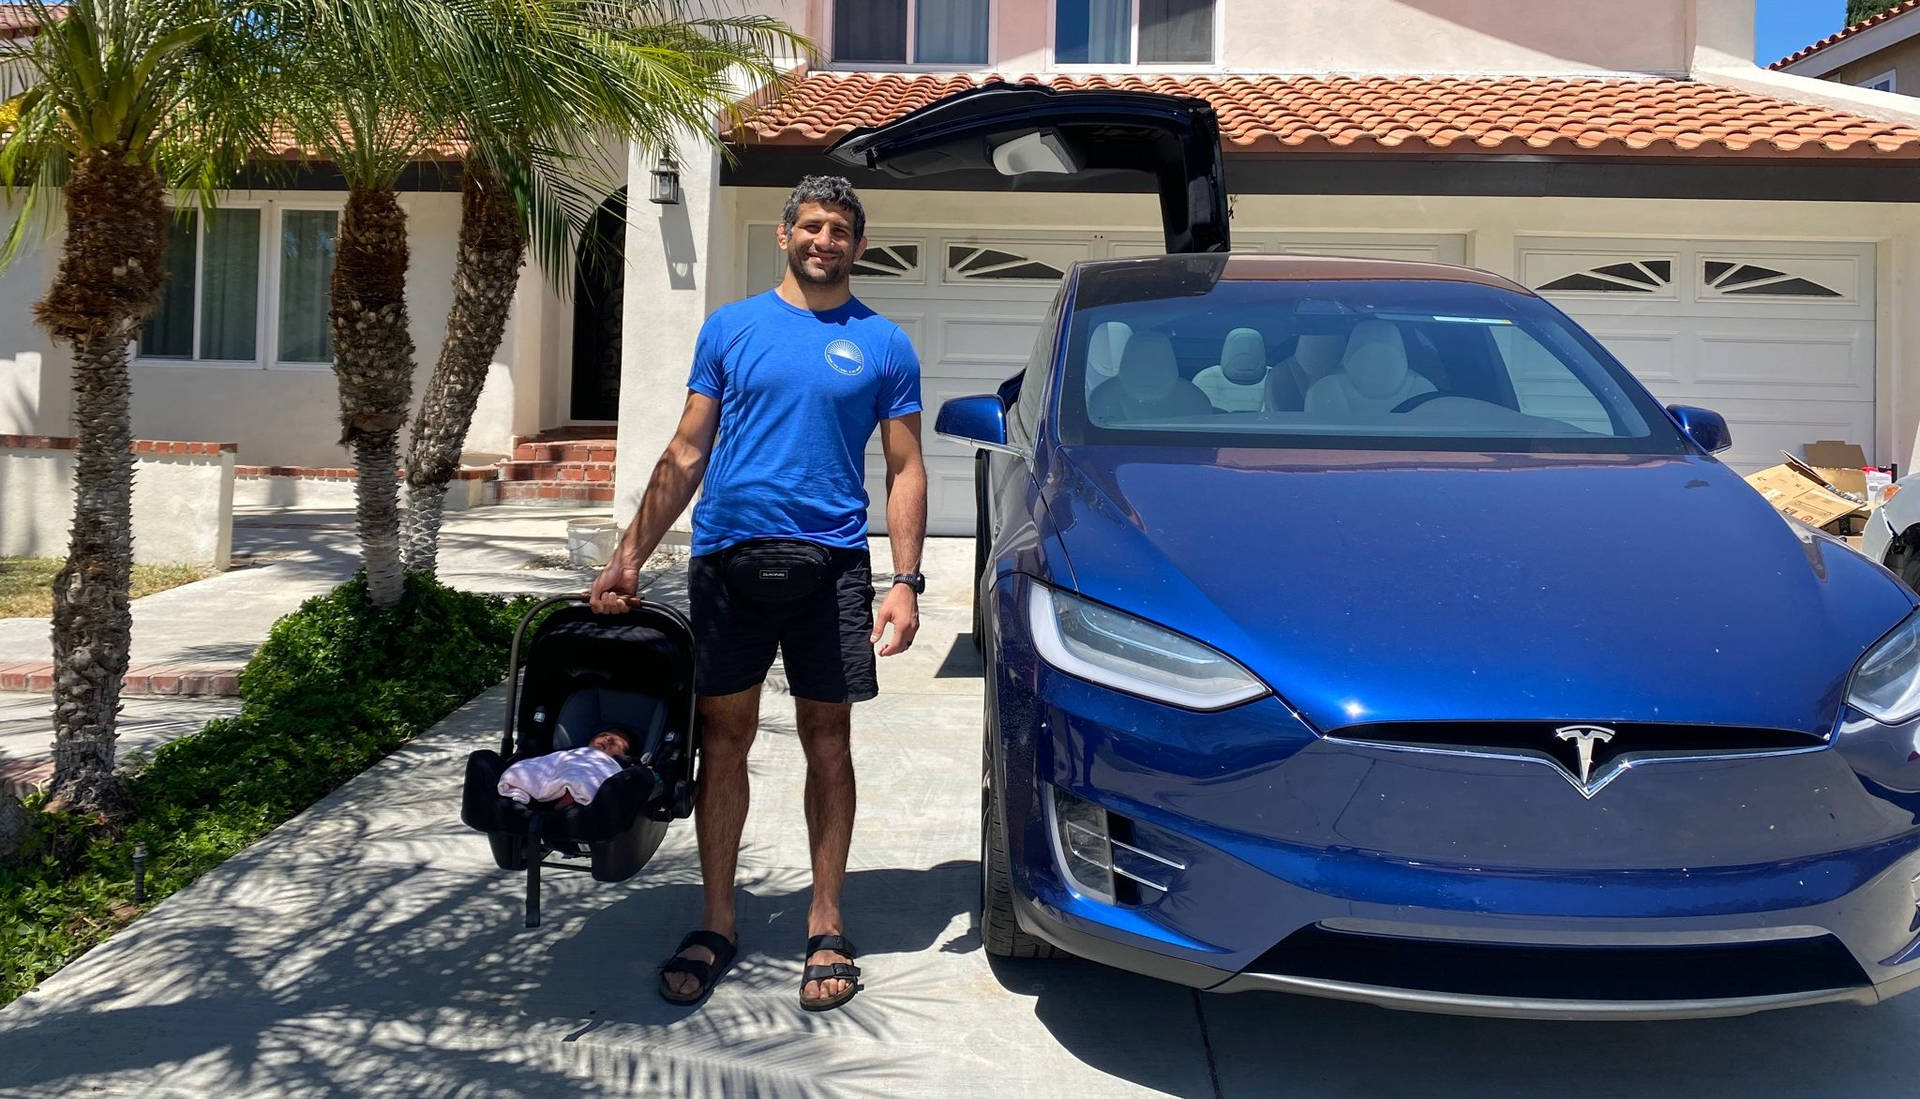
(1368, 588)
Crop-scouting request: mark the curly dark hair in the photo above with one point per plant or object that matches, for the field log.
(827, 191)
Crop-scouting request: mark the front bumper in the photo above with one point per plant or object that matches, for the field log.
(1466, 886)
(1074, 937)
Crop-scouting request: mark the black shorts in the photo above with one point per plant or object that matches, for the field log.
(825, 639)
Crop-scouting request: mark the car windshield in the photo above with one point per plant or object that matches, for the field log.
(1352, 364)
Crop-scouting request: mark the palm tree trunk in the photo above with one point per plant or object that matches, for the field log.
(373, 359)
(111, 269)
(92, 625)
(492, 247)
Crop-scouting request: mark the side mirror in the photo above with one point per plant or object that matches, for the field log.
(978, 421)
(1707, 428)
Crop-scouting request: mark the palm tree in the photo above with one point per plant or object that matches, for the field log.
(120, 99)
(562, 74)
(365, 99)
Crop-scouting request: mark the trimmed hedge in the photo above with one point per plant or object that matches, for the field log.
(337, 686)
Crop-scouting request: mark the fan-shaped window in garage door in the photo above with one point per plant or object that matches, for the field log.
(1000, 263)
(1646, 276)
(889, 261)
(1733, 279)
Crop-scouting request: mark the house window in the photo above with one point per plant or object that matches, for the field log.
(915, 32)
(306, 277)
(1882, 83)
(1647, 276)
(889, 261)
(245, 285)
(972, 263)
(211, 306)
(1751, 280)
(1124, 32)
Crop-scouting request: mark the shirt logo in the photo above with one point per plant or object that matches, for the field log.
(845, 357)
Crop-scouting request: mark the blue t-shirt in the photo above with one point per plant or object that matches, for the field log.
(800, 394)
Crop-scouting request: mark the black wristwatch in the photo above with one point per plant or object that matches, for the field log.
(912, 580)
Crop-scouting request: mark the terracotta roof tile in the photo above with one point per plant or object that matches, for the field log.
(18, 22)
(1848, 32)
(1586, 116)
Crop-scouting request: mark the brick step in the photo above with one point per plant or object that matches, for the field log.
(558, 493)
(556, 471)
(582, 450)
(186, 681)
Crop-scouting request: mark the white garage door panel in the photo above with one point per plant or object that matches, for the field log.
(1778, 338)
(969, 340)
(1651, 350)
(949, 495)
(1820, 360)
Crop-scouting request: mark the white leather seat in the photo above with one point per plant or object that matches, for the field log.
(1315, 356)
(1148, 386)
(1374, 376)
(1238, 383)
(1104, 348)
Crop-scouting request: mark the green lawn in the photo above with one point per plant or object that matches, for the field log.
(26, 583)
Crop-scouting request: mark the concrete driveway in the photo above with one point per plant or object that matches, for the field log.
(370, 948)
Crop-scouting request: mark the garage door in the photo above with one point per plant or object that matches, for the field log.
(1777, 338)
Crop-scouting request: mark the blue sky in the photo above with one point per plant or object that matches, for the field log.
(1783, 26)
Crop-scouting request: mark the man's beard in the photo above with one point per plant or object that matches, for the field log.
(836, 275)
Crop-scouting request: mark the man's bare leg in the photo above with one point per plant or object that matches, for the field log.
(727, 727)
(826, 737)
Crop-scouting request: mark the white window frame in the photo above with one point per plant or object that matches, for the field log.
(266, 339)
(913, 17)
(1874, 84)
(1133, 46)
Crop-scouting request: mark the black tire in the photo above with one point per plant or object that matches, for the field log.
(1903, 557)
(980, 536)
(999, 929)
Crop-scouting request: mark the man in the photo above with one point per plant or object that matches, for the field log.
(793, 383)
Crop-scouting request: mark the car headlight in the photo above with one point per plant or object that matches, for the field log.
(1120, 651)
(1886, 682)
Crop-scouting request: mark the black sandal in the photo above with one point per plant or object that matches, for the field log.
(837, 971)
(706, 973)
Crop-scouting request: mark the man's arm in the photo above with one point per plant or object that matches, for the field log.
(675, 477)
(906, 527)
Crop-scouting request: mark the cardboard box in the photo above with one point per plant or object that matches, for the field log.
(1840, 464)
(1797, 491)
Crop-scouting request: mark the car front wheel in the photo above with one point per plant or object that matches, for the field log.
(999, 929)
(1903, 557)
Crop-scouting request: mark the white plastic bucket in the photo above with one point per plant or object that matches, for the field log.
(591, 542)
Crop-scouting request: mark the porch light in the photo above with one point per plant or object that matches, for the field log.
(666, 182)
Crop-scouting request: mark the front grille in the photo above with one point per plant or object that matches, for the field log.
(1542, 738)
(1566, 972)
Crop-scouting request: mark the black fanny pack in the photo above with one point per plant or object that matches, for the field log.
(777, 570)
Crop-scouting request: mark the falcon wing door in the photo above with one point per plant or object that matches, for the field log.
(1017, 129)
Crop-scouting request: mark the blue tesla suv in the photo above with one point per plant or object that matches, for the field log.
(1364, 629)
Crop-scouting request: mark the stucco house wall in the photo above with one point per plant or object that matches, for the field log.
(1902, 60)
(279, 414)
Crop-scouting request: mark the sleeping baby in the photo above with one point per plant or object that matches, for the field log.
(569, 777)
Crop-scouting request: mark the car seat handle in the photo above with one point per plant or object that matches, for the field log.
(513, 665)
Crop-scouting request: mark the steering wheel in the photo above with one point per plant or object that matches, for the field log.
(1419, 399)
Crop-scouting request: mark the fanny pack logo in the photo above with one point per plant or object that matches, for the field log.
(844, 357)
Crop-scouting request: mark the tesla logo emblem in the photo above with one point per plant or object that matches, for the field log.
(1583, 738)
